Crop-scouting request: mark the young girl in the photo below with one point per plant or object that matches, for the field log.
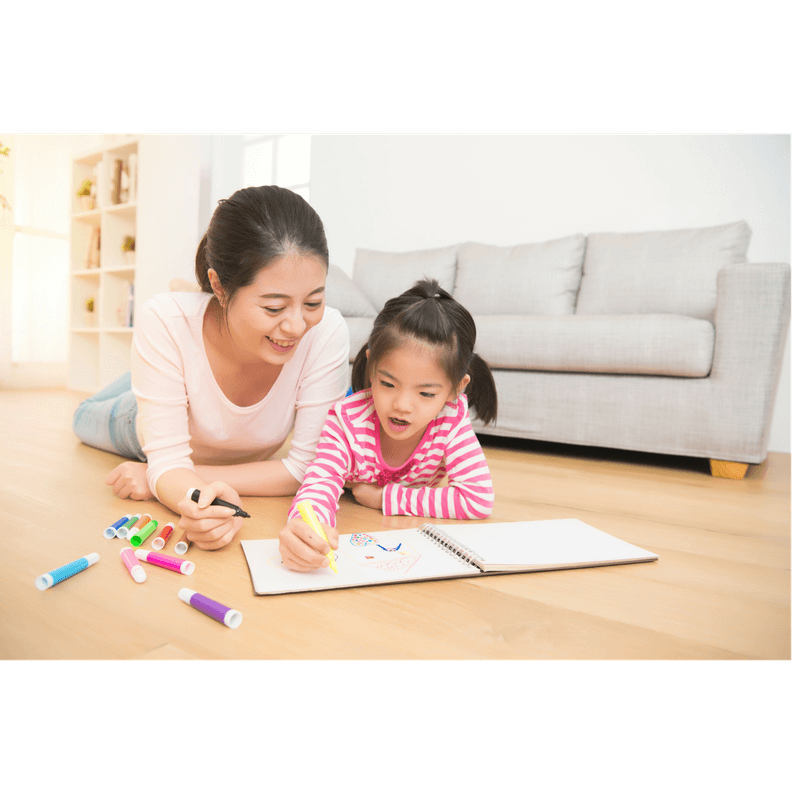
(405, 427)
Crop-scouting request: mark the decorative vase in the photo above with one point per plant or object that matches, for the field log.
(87, 202)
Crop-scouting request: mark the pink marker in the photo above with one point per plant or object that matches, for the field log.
(132, 563)
(168, 562)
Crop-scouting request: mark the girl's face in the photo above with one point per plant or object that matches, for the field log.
(409, 389)
(267, 319)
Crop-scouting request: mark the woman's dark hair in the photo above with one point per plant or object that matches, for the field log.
(429, 314)
(252, 228)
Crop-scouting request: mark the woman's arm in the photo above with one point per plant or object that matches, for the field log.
(257, 479)
(209, 527)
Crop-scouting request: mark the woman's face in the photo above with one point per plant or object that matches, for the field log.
(267, 319)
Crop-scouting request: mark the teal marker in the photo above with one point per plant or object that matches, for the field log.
(137, 540)
(67, 571)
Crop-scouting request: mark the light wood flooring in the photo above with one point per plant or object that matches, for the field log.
(720, 590)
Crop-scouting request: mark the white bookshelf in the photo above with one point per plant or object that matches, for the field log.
(100, 341)
(164, 219)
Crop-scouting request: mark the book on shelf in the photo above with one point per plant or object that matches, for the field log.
(133, 165)
(93, 254)
(129, 306)
(116, 182)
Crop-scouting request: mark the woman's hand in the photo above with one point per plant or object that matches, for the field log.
(303, 550)
(129, 481)
(368, 494)
(210, 527)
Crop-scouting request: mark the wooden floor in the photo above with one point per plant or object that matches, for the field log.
(721, 589)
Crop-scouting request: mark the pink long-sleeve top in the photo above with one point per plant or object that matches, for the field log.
(349, 450)
(183, 416)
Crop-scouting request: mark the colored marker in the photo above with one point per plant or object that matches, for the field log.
(132, 563)
(67, 571)
(169, 562)
(122, 531)
(140, 523)
(310, 518)
(227, 616)
(182, 546)
(138, 539)
(111, 531)
(160, 541)
(194, 495)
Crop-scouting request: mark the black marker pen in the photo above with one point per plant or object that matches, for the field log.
(194, 494)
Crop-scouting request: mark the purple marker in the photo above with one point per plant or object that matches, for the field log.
(227, 616)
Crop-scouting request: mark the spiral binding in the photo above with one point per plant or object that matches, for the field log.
(446, 543)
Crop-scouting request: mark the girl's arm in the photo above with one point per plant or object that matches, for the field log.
(300, 547)
(469, 493)
(325, 477)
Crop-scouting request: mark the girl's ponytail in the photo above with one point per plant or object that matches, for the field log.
(481, 391)
(358, 376)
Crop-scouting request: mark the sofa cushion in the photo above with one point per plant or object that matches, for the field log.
(659, 272)
(538, 278)
(360, 329)
(343, 294)
(382, 276)
(632, 344)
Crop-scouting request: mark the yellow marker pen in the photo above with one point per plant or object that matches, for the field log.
(310, 518)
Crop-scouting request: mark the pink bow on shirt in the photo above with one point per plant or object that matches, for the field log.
(391, 476)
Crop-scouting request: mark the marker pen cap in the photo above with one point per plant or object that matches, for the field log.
(140, 523)
(111, 531)
(166, 561)
(182, 546)
(132, 564)
(122, 531)
(160, 541)
(227, 616)
(67, 571)
(138, 538)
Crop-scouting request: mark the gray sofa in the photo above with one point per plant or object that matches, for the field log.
(665, 341)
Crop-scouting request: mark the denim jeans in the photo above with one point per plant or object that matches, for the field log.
(107, 420)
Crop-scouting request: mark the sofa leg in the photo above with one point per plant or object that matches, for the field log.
(728, 469)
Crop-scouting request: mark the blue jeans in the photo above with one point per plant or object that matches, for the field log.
(107, 420)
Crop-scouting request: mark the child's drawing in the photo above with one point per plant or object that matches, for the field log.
(381, 551)
(362, 539)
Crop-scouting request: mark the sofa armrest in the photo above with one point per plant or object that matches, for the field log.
(751, 322)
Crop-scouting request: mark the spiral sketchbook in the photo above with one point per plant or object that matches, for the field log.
(437, 552)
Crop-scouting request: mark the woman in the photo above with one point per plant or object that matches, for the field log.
(219, 377)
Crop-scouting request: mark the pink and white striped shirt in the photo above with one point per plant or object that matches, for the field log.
(349, 450)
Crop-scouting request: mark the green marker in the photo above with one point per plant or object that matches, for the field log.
(137, 540)
(122, 531)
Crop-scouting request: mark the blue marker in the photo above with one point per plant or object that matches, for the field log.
(111, 531)
(67, 571)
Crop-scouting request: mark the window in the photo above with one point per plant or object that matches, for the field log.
(281, 160)
(34, 241)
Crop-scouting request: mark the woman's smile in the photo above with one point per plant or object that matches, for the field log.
(281, 345)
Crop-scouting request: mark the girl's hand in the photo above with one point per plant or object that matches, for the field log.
(129, 481)
(368, 494)
(303, 550)
(210, 527)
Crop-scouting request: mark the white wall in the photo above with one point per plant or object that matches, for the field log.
(401, 193)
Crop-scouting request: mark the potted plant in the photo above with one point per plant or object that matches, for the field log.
(85, 196)
(129, 249)
(89, 317)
